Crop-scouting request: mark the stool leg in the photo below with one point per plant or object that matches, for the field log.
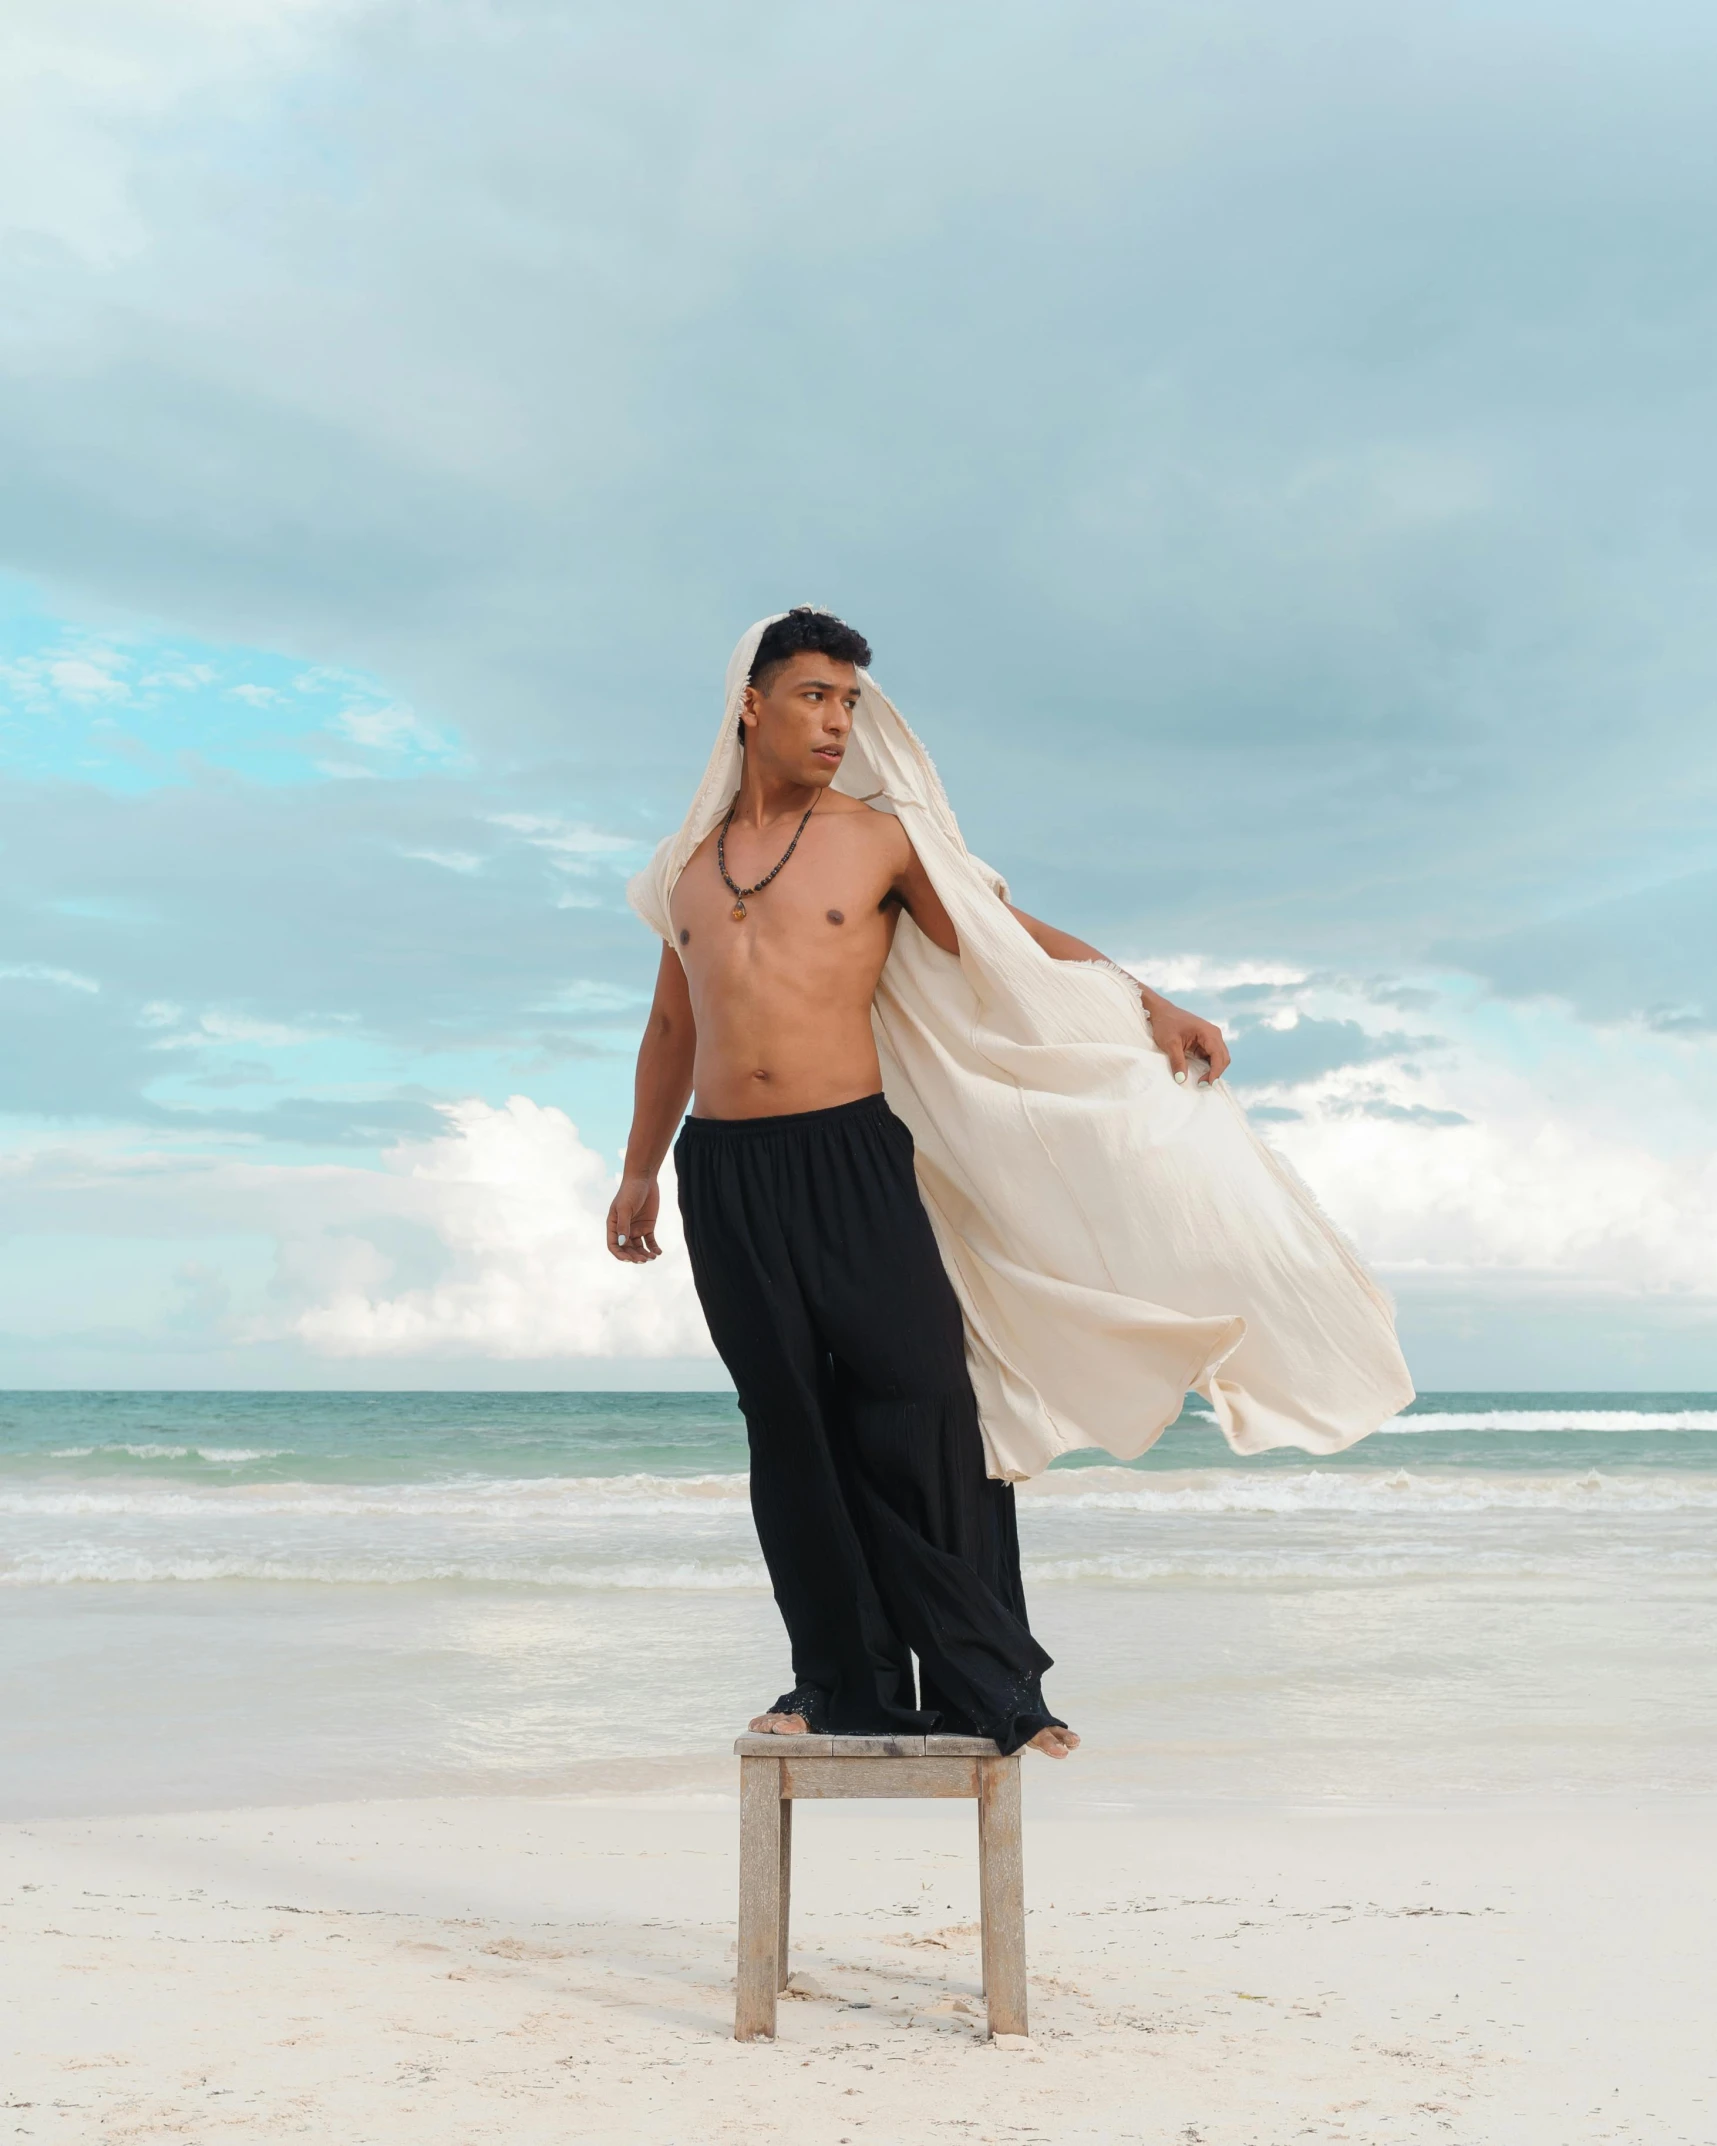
(760, 1808)
(1001, 1887)
(986, 1922)
(786, 1889)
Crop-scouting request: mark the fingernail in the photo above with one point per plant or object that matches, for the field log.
(1181, 1077)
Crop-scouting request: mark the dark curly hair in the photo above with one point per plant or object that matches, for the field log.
(805, 631)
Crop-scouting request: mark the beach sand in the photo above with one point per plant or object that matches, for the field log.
(535, 1969)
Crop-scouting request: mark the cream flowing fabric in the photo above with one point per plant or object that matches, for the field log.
(1115, 1241)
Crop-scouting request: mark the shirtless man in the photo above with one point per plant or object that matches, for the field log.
(810, 1248)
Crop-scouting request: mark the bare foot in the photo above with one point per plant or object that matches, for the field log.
(1053, 1743)
(780, 1725)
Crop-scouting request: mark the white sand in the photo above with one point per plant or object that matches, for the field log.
(461, 1971)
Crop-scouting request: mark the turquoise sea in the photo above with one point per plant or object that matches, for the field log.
(211, 1598)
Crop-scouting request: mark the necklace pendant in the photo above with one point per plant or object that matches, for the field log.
(738, 912)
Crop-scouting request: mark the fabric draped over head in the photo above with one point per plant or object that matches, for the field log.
(1116, 1241)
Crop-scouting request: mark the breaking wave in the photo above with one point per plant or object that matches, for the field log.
(1554, 1419)
(535, 1504)
(226, 1456)
(89, 1563)
(1394, 1493)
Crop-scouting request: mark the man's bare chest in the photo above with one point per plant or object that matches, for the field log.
(835, 885)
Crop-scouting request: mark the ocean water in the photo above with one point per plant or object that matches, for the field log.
(215, 1598)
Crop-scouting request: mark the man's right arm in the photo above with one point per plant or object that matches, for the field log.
(661, 1090)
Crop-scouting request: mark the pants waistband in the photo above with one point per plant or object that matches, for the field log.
(795, 1121)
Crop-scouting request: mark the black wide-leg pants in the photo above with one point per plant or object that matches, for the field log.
(828, 1301)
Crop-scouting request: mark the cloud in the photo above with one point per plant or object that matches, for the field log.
(1394, 1113)
(450, 860)
(1267, 1056)
(39, 972)
(1342, 506)
(1525, 1192)
(355, 939)
(1517, 1228)
(1649, 955)
(1515, 1157)
(571, 846)
(81, 81)
(484, 1240)
(1271, 452)
(1467, 1166)
(517, 1203)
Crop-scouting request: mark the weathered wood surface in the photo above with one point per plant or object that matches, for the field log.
(786, 1893)
(864, 1747)
(879, 1777)
(777, 1771)
(1001, 1890)
(755, 1747)
(759, 1898)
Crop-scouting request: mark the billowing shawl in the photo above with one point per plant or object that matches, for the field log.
(1115, 1241)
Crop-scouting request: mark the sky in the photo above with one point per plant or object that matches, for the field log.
(1270, 450)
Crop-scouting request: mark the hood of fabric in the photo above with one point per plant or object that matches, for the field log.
(885, 763)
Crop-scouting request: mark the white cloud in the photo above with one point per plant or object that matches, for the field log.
(81, 677)
(86, 679)
(1172, 973)
(81, 81)
(1528, 1192)
(586, 995)
(1517, 1144)
(484, 1242)
(518, 1203)
(387, 729)
(450, 860)
(409, 402)
(218, 1027)
(570, 843)
(40, 972)
(179, 677)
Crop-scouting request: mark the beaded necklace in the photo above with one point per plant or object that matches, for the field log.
(739, 893)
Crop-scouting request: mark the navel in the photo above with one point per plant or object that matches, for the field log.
(835, 916)
(686, 937)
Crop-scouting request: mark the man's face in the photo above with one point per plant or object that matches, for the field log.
(803, 719)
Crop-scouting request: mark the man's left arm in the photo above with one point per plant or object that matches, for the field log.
(1178, 1033)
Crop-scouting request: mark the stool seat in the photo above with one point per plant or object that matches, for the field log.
(775, 1772)
(866, 1747)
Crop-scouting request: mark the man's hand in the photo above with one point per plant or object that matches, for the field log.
(632, 1221)
(1180, 1034)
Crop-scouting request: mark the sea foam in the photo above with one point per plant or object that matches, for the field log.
(1553, 1419)
(534, 1503)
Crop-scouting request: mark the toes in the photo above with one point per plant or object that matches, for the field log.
(1055, 1743)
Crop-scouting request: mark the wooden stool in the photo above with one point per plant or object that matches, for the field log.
(776, 1771)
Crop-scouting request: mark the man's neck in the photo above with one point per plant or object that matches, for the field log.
(764, 798)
